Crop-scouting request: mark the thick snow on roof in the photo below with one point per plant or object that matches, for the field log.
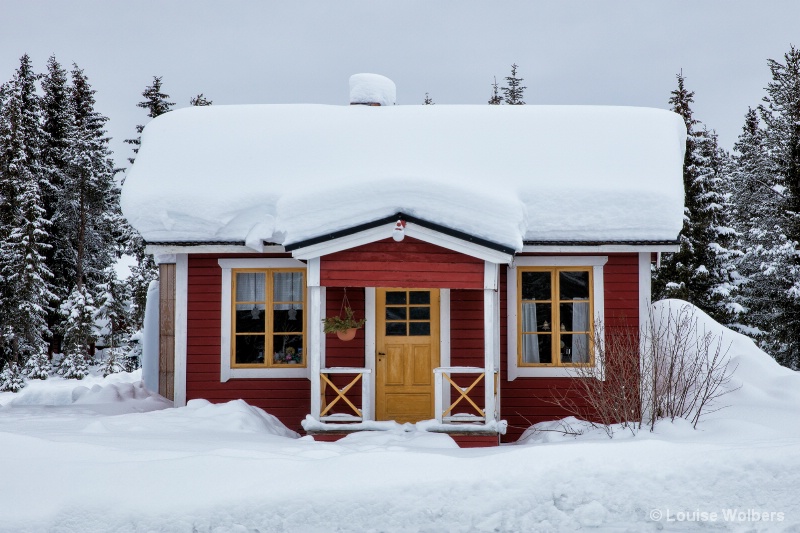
(286, 173)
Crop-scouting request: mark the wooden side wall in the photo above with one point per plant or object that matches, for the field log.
(288, 399)
(409, 263)
(166, 330)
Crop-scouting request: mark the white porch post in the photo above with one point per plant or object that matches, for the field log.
(315, 336)
(181, 327)
(491, 276)
(367, 399)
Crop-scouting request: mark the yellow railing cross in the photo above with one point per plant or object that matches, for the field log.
(341, 394)
(464, 395)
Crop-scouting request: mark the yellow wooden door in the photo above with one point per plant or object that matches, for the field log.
(407, 340)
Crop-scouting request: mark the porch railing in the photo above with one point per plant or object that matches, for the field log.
(476, 412)
(358, 414)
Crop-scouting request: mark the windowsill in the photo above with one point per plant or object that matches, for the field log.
(550, 371)
(262, 373)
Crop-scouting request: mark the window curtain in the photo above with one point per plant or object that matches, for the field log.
(250, 287)
(530, 343)
(580, 322)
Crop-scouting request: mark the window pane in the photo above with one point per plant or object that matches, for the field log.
(575, 348)
(287, 349)
(536, 317)
(573, 285)
(287, 317)
(535, 285)
(395, 313)
(250, 318)
(249, 349)
(250, 286)
(420, 313)
(288, 287)
(396, 329)
(420, 297)
(575, 317)
(536, 349)
(396, 298)
(419, 328)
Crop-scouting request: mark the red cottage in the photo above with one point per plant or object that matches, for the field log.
(482, 244)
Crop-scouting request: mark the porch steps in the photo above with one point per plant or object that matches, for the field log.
(463, 439)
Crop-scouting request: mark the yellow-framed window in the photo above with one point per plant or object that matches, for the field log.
(268, 318)
(554, 317)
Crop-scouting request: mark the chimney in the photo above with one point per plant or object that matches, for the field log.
(372, 89)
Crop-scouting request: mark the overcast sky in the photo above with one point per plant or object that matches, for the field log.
(569, 52)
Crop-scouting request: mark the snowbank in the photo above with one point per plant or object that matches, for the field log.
(285, 173)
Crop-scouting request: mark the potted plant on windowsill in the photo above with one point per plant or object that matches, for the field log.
(344, 327)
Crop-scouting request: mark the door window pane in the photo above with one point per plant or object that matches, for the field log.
(396, 298)
(396, 329)
(420, 313)
(420, 297)
(419, 328)
(395, 313)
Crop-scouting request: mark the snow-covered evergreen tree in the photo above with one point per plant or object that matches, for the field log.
(428, 100)
(11, 378)
(79, 322)
(56, 125)
(199, 101)
(780, 114)
(24, 235)
(496, 99)
(513, 92)
(88, 215)
(38, 366)
(702, 271)
(157, 103)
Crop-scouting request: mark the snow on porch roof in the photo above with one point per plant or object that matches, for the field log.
(506, 174)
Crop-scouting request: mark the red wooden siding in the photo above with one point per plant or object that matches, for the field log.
(288, 399)
(526, 401)
(409, 263)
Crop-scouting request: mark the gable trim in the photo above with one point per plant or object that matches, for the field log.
(381, 229)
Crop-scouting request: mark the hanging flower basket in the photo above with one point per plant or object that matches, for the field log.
(344, 326)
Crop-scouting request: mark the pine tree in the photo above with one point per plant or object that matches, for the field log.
(11, 379)
(145, 271)
(56, 120)
(79, 316)
(514, 91)
(702, 271)
(156, 103)
(200, 101)
(428, 100)
(757, 220)
(88, 211)
(24, 235)
(495, 99)
(780, 113)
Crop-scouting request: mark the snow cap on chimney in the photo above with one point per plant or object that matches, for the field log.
(372, 89)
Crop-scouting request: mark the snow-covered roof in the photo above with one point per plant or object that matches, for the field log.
(507, 174)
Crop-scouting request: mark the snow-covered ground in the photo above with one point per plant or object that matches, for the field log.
(107, 455)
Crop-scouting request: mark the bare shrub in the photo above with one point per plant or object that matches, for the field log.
(682, 371)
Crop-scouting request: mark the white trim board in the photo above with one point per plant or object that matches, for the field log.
(600, 248)
(226, 372)
(596, 262)
(181, 328)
